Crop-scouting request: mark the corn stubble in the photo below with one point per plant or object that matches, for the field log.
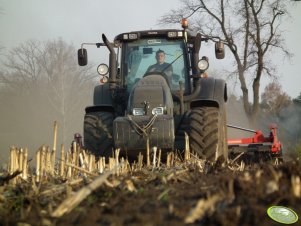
(75, 169)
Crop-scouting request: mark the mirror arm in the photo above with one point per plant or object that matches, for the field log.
(89, 43)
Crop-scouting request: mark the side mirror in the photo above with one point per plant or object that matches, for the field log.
(82, 57)
(219, 50)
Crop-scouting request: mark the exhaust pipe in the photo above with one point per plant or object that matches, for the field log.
(112, 62)
(195, 53)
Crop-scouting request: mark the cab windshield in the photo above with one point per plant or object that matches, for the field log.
(155, 55)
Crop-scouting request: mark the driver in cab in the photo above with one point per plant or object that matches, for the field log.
(161, 65)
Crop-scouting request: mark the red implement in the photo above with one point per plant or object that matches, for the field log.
(257, 143)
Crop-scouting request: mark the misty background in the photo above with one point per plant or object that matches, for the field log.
(42, 83)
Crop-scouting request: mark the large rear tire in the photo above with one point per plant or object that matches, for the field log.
(98, 133)
(206, 128)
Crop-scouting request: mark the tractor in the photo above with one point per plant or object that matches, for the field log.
(134, 106)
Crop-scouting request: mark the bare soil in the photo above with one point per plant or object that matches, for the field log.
(212, 195)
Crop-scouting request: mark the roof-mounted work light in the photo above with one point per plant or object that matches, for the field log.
(174, 34)
(130, 36)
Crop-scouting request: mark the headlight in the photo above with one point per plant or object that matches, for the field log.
(102, 69)
(158, 111)
(203, 64)
(138, 111)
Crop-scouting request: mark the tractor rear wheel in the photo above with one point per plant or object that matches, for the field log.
(206, 128)
(98, 133)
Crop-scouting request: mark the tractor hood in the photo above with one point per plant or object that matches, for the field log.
(150, 96)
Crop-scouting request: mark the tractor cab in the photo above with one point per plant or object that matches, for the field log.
(139, 55)
(137, 51)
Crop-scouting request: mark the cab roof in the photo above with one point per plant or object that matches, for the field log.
(164, 33)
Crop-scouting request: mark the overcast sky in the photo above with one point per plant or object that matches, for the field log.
(80, 21)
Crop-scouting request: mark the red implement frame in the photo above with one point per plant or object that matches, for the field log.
(259, 139)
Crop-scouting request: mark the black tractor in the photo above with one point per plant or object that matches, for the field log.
(153, 91)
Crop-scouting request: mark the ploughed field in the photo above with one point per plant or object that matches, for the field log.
(175, 191)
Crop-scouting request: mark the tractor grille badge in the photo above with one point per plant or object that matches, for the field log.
(146, 107)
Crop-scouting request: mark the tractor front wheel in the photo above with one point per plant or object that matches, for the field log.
(98, 133)
(206, 128)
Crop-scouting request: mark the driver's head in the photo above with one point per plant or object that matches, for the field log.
(160, 56)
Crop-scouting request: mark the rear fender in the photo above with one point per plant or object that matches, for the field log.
(202, 103)
(106, 108)
(213, 93)
(102, 95)
(102, 100)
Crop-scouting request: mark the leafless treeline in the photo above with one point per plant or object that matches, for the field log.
(40, 82)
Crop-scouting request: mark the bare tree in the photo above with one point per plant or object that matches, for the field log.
(65, 80)
(250, 29)
(274, 100)
(42, 82)
(23, 71)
